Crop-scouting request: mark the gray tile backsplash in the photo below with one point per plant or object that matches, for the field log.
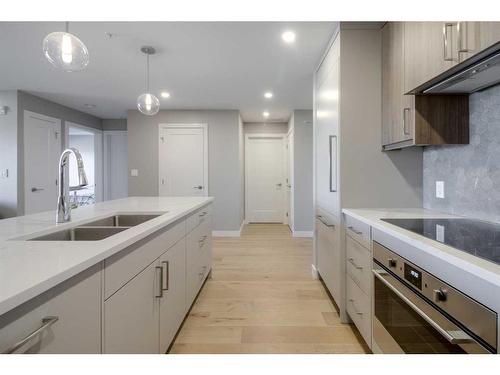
(471, 173)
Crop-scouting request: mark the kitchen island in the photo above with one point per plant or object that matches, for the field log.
(103, 292)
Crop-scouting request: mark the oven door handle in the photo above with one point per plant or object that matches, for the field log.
(454, 337)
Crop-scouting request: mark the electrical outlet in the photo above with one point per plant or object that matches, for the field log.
(439, 189)
(134, 172)
(4, 173)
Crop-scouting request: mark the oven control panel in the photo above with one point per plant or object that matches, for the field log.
(413, 276)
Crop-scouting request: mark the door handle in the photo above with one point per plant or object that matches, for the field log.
(160, 284)
(34, 189)
(199, 187)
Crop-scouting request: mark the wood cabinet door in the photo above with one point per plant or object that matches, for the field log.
(429, 50)
(489, 34)
(131, 315)
(173, 301)
(393, 101)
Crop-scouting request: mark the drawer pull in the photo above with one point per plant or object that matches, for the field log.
(202, 214)
(320, 218)
(202, 239)
(354, 306)
(166, 275)
(46, 323)
(351, 260)
(358, 232)
(160, 284)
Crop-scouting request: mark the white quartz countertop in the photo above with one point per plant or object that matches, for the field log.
(29, 268)
(482, 268)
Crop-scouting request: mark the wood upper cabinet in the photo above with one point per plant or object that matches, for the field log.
(413, 53)
(397, 124)
(473, 37)
(489, 33)
(429, 50)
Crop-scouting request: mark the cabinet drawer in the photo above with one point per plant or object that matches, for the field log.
(358, 264)
(200, 216)
(358, 306)
(77, 305)
(123, 266)
(358, 230)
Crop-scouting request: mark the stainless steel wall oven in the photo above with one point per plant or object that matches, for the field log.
(415, 312)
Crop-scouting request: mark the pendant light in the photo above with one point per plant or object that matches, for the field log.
(148, 103)
(65, 51)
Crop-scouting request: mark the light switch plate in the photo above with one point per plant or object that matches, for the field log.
(4, 173)
(134, 172)
(439, 189)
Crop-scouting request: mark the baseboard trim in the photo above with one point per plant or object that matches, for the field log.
(302, 233)
(314, 272)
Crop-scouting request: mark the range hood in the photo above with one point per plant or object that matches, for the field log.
(474, 74)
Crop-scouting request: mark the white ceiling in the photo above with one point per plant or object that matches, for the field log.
(211, 65)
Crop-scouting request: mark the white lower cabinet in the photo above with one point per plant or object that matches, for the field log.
(358, 306)
(328, 257)
(131, 315)
(173, 300)
(144, 315)
(67, 317)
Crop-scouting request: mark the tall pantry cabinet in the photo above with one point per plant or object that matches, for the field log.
(350, 169)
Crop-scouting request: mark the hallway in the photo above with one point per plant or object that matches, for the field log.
(262, 299)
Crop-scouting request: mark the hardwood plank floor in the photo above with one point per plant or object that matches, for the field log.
(262, 299)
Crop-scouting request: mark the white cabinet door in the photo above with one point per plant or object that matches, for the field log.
(328, 258)
(76, 303)
(173, 301)
(326, 130)
(42, 148)
(131, 315)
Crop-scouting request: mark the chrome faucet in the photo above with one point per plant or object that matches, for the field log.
(63, 213)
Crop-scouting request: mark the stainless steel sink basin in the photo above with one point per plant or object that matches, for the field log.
(124, 220)
(81, 234)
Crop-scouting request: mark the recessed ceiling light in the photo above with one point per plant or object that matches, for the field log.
(265, 114)
(165, 94)
(288, 36)
(268, 95)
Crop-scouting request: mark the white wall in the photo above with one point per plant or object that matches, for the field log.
(8, 154)
(223, 158)
(303, 170)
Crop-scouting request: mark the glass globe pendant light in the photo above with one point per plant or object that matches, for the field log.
(65, 51)
(148, 103)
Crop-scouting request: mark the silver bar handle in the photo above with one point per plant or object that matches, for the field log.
(320, 218)
(446, 26)
(351, 260)
(160, 279)
(405, 110)
(454, 337)
(46, 323)
(358, 232)
(166, 275)
(202, 214)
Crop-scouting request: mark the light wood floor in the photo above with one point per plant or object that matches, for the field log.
(262, 299)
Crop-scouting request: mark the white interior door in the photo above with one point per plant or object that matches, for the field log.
(183, 164)
(264, 176)
(42, 148)
(115, 165)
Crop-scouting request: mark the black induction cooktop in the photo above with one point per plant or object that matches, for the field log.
(479, 238)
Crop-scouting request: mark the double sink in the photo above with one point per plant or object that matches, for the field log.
(98, 229)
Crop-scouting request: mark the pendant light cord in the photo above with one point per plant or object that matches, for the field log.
(147, 73)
